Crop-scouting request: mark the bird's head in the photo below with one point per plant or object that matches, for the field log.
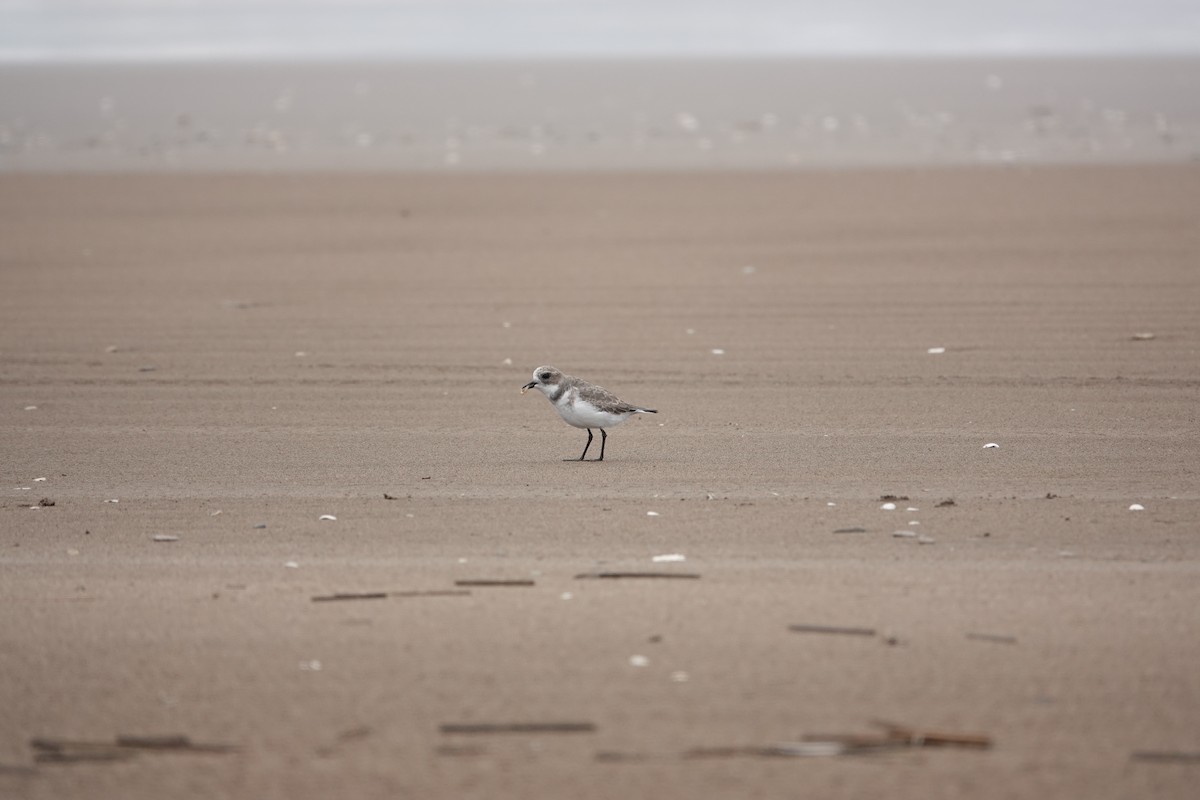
(545, 380)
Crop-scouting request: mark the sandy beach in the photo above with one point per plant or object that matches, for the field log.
(195, 369)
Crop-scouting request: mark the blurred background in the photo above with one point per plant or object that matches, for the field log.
(593, 84)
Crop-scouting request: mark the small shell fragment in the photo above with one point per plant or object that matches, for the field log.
(718, 351)
(991, 446)
(1142, 337)
(165, 537)
(933, 351)
(651, 513)
(1137, 507)
(904, 534)
(329, 517)
(524, 389)
(888, 507)
(670, 557)
(638, 661)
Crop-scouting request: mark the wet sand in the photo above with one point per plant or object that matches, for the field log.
(221, 352)
(586, 115)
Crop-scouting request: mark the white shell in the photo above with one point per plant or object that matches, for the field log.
(1137, 507)
(670, 557)
(888, 507)
(991, 446)
(329, 517)
(933, 351)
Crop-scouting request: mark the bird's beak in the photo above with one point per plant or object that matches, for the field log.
(528, 386)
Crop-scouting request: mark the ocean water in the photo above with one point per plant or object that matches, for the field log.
(597, 115)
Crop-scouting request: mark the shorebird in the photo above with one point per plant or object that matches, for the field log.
(583, 404)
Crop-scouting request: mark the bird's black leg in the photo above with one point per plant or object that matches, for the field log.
(585, 447)
(603, 440)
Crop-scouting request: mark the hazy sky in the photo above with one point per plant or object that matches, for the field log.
(185, 29)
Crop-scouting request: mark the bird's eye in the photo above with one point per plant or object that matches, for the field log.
(545, 376)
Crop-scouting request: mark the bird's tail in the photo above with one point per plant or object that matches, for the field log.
(645, 411)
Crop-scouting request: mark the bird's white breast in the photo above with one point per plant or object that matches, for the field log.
(579, 412)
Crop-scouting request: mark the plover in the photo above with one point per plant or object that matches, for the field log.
(583, 404)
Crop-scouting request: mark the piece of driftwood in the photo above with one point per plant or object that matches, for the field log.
(65, 751)
(350, 596)
(833, 629)
(173, 743)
